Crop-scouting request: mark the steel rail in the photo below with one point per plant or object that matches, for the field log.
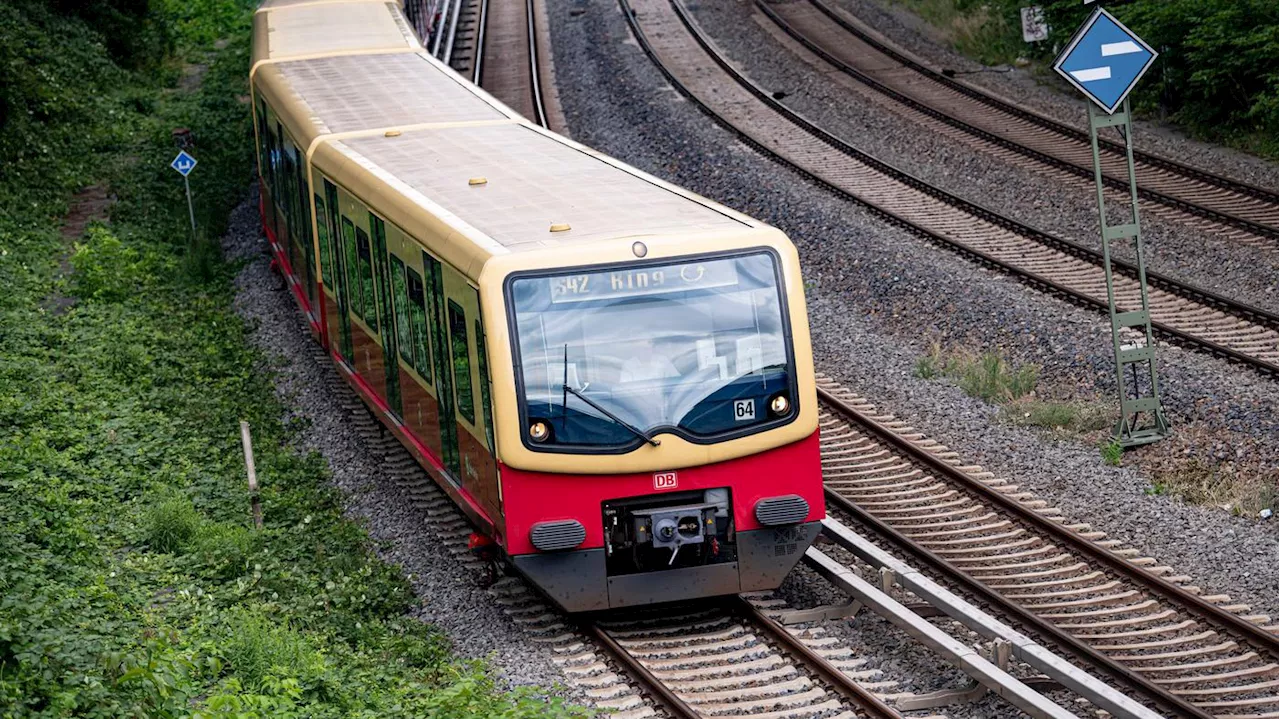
(817, 664)
(1040, 627)
(1007, 143)
(1242, 311)
(453, 32)
(477, 71)
(535, 81)
(1258, 637)
(649, 684)
(1240, 187)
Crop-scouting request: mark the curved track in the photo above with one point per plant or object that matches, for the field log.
(1192, 655)
(1195, 197)
(1183, 313)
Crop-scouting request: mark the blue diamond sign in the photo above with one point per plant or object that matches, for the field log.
(183, 163)
(1105, 60)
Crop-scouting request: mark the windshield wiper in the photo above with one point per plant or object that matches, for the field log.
(610, 415)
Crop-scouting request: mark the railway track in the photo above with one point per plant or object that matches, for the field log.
(734, 660)
(1189, 195)
(730, 657)
(1179, 312)
(700, 660)
(1121, 614)
(511, 48)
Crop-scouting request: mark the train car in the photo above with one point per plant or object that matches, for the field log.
(610, 376)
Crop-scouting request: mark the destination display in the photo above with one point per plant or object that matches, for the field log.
(642, 281)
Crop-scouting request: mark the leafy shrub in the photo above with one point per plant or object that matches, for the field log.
(170, 523)
(258, 648)
(106, 269)
(225, 549)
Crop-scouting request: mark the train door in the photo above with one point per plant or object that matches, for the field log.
(444, 371)
(337, 281)
(390, 365)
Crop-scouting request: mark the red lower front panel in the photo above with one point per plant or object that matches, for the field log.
(532, 497)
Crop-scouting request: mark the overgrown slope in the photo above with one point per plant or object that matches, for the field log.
(131, 580)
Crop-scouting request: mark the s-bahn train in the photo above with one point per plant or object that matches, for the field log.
(609, 375)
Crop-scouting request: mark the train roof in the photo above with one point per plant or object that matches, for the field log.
(351, 93)
(413, 139)
(285, 29)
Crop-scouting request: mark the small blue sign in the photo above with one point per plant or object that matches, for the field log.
(183, 163)
(1105, 60)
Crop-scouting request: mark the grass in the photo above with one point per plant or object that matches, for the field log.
(972, 29)
(1070, 417)
(1111, 452)
(132, 582)
(170, 523)
(1241, 491)
(985, 375)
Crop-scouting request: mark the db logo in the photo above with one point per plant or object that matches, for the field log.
(664, 480)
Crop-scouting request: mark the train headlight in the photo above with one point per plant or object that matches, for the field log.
(539, 431)
(779, 405)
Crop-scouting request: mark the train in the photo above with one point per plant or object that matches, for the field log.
(611, 376)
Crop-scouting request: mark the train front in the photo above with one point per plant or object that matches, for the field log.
(659, 441)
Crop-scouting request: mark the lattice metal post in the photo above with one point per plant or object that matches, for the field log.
(1136, 397)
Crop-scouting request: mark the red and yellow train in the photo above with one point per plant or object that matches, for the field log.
(611, 376)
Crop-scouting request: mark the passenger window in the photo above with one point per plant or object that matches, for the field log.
(353, 276)
(400, 297)
(418, 319)
(322, 235)
(367, 291)
(461, 363)
(483, 358)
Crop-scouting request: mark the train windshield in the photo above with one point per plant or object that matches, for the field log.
(610, 358)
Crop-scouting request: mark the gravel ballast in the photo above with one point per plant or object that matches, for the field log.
(880, 295)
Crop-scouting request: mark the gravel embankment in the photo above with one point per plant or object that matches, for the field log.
(1049, 95)
(453, 596)
(1041, 199)
(880, 295)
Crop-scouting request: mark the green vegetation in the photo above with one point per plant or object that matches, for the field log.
(980, 31)
(131, 580)
(1066, 417)
(1240, 490)
(1216, 75)
(985, 375)
(1111, 452)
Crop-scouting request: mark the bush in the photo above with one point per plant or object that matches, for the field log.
(170, 523)
(258, 648)
(105, 269)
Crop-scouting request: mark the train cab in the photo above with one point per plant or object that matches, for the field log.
(659, 439)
